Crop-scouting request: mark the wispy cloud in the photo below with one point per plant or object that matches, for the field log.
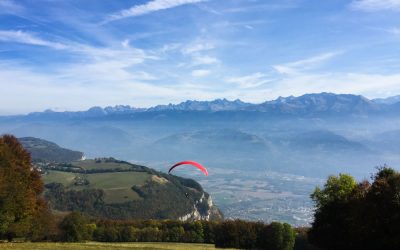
(369, 85)
(375, 5)
(249, 81)
(394, 31)
(198, 51)
(149, 7)
(244, 24)
(261, 7)
(124, 56)
(204, 60)
(304, 64)
(201, 73)
(10, 7)
(19, 36)
(197, 46)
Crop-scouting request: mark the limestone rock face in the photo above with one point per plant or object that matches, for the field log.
(204, 209)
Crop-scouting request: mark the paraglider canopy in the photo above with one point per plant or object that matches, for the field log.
(193, 163)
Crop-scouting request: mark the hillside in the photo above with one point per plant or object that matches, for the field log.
(326, 141)
(212, 144)
(48, 151)
(119, 190)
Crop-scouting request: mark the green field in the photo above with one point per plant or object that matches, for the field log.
(92, 164)
(65, 178)
(102, 246)
(116, 185)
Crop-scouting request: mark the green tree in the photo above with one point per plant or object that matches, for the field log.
(337, 188)
(288, 237)
(74, 228)
(333, 212)
(358, 216)
(176, 234)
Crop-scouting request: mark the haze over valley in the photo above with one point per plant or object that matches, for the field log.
(264, 159)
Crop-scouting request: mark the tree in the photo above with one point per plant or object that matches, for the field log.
(337, 188)
(332, 216)
(20, 191)
(74, 228)
(358, 216)
(288, 236)
(382, 202)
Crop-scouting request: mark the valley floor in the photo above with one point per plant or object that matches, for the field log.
(103, 246)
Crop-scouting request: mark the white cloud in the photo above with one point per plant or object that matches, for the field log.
(249, 81)
(104, 83)
(93, 56)
(197, 46)
(197, 52)
(19, 36)
(149, 7)
(79, 87)
(10, 7)
(370, 85)
(144, 76)
(125, 43)
(261, 7)
(304, 64)
(375, 5)
(204, 60)
(394, 31)
(201, 73)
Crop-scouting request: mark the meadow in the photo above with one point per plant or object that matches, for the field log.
(104, 246)
(116, 185)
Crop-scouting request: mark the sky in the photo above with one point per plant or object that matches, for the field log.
(75, 54)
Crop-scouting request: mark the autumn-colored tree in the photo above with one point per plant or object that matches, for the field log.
(21, 206)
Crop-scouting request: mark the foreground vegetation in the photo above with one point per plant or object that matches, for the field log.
(103, 246)
(364, 215)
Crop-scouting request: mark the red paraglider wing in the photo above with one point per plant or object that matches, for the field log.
(193, 163)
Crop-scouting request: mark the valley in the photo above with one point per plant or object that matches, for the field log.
(264, 159)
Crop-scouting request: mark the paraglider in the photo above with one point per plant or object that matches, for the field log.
(193, 163)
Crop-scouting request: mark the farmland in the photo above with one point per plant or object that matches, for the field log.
(116, 185)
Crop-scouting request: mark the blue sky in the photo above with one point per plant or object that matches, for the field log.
(74, 54)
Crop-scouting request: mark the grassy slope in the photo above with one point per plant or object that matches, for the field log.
(91, 164)
(64, 178)
(103, 246)
(117, 186)
(161, 195)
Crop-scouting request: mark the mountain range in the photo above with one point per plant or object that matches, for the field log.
(313, 134)
(308, 104)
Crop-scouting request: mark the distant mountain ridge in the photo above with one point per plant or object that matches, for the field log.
(309, 104)
(389, 100)
(42, 150)
(319, 103)
(216, 105)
